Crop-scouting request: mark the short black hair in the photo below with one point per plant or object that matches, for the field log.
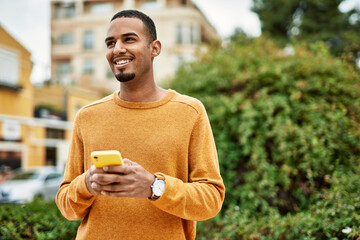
(148, 22)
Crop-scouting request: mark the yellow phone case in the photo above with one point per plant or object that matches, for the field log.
(106, 158)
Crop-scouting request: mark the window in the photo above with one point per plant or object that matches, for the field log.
(64, 67)
(88, 41)
(50, 155)
(88, 67)
(194, 35)
(9, 67)
(64, 10)
(184, 33)
(54, 133)
(102, 8)
(11, 159)
(179, 35)
(150, 5)
(66, 38)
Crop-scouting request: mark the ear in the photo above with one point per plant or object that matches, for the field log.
(155, 48)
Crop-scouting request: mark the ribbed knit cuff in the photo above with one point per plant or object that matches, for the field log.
(81, 186)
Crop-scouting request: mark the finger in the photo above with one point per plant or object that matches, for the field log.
(114, 169)
(96, 187)
(128, 162)
(126, 168)
(94, 170)
(89, 184)
(109, 178)
(116, 187)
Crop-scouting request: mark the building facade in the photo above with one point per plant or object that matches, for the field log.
(35, 123)
(17, 128)
(78, 30)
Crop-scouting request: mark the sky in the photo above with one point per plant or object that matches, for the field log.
(28, 21)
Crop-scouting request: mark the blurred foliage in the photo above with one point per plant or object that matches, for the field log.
(38, 220)
(285, 125)
(327, 218)
(312, 20)
(49, 110)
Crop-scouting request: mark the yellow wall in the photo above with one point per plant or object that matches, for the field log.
(19, 103)
(37, 152)
(69, 99)
(78, 98)
(50, 95)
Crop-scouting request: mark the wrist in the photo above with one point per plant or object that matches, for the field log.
(157, 188)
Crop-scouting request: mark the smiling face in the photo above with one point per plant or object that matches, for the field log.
(130, 52)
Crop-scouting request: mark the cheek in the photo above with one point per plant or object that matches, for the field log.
(108, 58)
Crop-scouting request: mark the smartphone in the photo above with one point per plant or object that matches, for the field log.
(106, 158)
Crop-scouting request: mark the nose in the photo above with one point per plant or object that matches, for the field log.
(119, 48)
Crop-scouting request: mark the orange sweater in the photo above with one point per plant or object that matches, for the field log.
(171, 138)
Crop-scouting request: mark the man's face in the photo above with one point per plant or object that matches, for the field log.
(129, 51)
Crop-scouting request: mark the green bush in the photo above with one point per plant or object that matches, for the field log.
(40, 220)
(336, 211)
(284, 126)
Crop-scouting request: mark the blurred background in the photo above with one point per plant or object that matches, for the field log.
(280, 81)
(53, 63)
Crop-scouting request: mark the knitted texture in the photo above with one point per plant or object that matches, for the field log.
(171, 138)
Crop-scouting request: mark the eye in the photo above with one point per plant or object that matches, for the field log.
(130, 39)
(110, 43)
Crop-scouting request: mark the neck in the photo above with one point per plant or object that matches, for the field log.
(145, 92)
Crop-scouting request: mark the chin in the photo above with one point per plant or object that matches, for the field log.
(125, 77)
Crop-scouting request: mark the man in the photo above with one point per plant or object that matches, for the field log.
(170, 177)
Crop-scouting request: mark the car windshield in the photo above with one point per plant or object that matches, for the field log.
(25, 176)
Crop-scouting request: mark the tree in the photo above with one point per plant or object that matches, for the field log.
(312, 20)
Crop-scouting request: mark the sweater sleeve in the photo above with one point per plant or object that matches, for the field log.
(201, 198)
(73, 198)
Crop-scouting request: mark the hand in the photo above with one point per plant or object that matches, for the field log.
(127, 180)
(89, 179)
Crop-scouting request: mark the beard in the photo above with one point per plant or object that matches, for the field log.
(125, 77)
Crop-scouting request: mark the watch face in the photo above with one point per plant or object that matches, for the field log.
(158, 188)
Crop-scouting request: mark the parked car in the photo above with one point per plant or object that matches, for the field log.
(24, 186)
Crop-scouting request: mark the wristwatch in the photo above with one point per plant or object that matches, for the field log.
(158, 188)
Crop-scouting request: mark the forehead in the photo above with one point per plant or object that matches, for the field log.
(125, 25)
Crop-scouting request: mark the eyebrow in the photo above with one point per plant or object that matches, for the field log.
(123, 35)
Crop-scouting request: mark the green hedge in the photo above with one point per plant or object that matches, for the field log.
(285, 126)
(328, 218)
(38, 220)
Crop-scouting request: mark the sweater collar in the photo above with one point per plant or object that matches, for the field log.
(144, 105)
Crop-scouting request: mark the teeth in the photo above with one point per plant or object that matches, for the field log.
(123, 61)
